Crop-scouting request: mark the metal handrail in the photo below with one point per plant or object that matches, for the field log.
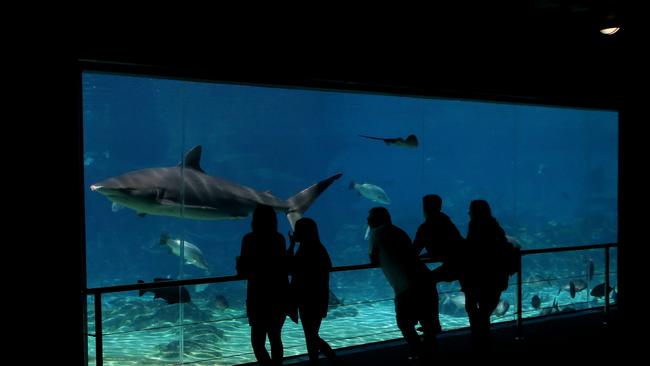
(354, 267)
(97, 292)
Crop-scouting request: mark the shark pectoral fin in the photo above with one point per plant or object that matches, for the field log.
(166, 202)
(142, 214)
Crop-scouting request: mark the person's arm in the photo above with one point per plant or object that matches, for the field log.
(418, 242)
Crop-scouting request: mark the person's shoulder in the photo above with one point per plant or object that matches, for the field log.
(399, 231)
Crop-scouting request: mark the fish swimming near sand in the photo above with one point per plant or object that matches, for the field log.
(172, 295)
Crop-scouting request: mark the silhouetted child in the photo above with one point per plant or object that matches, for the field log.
(310, 274)
(263, 262)
(415, 296)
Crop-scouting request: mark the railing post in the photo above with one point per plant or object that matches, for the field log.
(606, 284)
(99, 351)
(519, 300)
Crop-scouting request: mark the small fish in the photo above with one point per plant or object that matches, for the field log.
(170, 294)
(599, 290)
(578, 285)
(220, 302)
(193, 255)
(536, 302)
(371, 192)
(502, 308)
(411, 141)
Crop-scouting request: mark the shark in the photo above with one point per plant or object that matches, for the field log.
(187, 191)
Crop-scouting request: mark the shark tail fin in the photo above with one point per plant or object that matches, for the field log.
(300, 202)
(141, 292)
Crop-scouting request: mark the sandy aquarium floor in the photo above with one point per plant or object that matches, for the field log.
(138, 333)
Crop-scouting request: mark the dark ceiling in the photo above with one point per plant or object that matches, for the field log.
(539, 48)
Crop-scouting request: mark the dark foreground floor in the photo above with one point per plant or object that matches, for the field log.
(582, 338)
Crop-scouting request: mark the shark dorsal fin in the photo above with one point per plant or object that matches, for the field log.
(193, 158)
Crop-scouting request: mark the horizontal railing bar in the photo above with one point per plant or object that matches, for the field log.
(568, 249)
(162, 284)
(355, 267)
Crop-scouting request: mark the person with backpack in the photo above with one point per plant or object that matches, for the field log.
(487, 263)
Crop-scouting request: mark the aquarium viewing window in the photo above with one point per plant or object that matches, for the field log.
(549, 173)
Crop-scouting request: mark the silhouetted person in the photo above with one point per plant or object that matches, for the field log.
(440, 237)
(415, 296)
(484, 275)
(263, 262)
(310, 277)
(437, 234)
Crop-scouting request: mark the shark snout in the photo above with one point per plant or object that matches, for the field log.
(96, 187)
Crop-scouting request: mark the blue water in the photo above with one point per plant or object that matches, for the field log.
(549, 173)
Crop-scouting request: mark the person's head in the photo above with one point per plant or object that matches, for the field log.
(479, 209)
(264, 219)
(378, 216)
(306, 230)
(431, 204)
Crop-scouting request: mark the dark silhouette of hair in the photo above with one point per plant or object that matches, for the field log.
(264, 219)
(308, 230)
(431, 203)
(480, 210)
(380, 215)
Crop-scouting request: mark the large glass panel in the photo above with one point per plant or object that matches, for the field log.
(549, 174)
(566, 281)
(566, 177)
